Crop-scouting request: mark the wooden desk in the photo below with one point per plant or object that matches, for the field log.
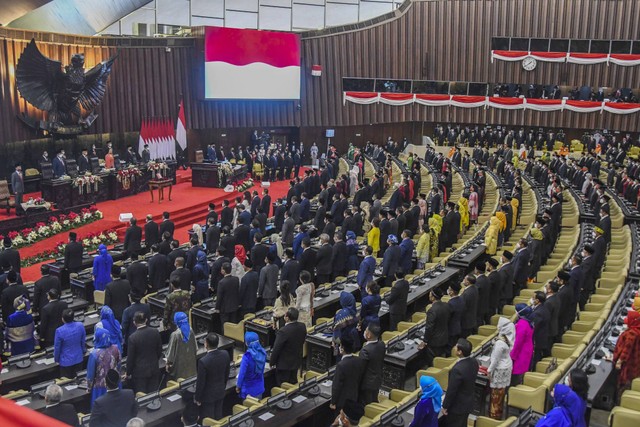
(160, 184)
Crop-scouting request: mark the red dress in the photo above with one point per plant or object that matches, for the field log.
(628, 351)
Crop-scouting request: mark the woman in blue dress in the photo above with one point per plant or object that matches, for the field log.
(20, 328)
(352, 251)
(428, 408)
(103, 357)
(567, 410)
(370, 306)
(250, 380)
(109, 322)
(102, 268)
(345, 321)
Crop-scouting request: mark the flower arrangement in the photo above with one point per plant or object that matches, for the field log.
(157, 169)
(53, 226)
(224, 170)
(127, 176)
(38, 201)
(87, 183)
(245, 185)
(90, 242)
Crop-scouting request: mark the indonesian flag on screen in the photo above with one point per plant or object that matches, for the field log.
(251, 64)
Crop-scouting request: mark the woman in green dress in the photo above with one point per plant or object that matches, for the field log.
(181, 352)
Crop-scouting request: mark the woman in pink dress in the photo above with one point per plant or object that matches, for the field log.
(473, 205)
(522, 351)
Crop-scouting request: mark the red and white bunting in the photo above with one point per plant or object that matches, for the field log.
(433, 100)
(621, 107)
(361, 97)
(626, 60)
(397, 98)
(467, 101)
(583, 106)
(506, 103)
(544, 104)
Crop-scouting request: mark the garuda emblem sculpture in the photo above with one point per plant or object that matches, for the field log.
(43, 84)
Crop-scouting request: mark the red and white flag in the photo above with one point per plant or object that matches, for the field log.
(143, 136)
(181, 128)
(251, 64)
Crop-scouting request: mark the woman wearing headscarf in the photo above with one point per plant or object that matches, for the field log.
(522, 351)
(104, 356)
(111, 325)
(535, 248)
(473, 205)
(515, 205)
(197, 231)
(435, 227)
(352, 251)
(20, 327)
(463, 210)
(424, 209)
(626, 356)
(345, 320)
(491, 236)
(422, 248)
(102, 268)
(250, 380)
(200, 277)
(237, 263)
(181, 352)
(304, 303)
(369, 311)
(428, 408)
(579, 383)
(503, 225)
(282, 304)
(501, 366)
(566, 410)
(277, 249)
(353, 180)
(373, 236)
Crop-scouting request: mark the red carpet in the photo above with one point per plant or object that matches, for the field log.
(188, 206)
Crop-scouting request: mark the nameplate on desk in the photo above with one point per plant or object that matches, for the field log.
(4, 370)
(174, 397)
(411, 410)
(91, 316)
(335, 292)
(266, 416)
(327, 383)
(23, 402)
(317, 298)
(71, 387)
(596, 362)
(299, 399)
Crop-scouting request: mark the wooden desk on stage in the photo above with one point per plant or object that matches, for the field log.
(206, 175)
(160, 184)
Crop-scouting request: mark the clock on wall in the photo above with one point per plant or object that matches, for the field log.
(529, 63)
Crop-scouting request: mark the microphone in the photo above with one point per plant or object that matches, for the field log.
(156, 403)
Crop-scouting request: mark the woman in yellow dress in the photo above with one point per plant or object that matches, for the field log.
(463, 209)
(491, 236)
(373, 237)
(435, 227)
(423, 248)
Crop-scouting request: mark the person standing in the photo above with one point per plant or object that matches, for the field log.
(228, 298)
(167, 225)
(501, 366)
(73, 254)
(213, 373)
(250, 380)
(366, 269)
(9, 255)
(116, 294)
(69, 345)
(397, 300)
(133, 238)
(347, 377)
(104, 357)
(128, 327)
(248, 298)
(458, 401)
(391, 260)
(428, 408)
(323, 260)
(182, 349)
(159, 268)
(286, 354)
(10, 293)
(111, 324)
(268, 281)
(64, 412)
(177, 300)
(436, 332)
(51, 318)
(372, 354)
(305, 294)
(144, 350)
(102, 265)
(116, 407)
(541, 321)
(151, 232)
(370, 308)
(626, 356)
(20, 328)
(17, 185)
(42, 287)
(522, 351)
(181, 275)
(470, 297)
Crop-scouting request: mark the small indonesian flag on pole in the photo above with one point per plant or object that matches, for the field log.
(316, 70)
(181, 128)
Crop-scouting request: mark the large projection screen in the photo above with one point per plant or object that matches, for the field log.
(251, 64)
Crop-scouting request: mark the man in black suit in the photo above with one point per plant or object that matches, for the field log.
(436, 332)
(554, 306)
(211, 383)
(339, 256)
(506, 279)
(165, 244)
(181, 274)
(10, 256)
(116, 294)
(83, 162)
(391, 260)
(286, 355)
(541, 321)
(228, 296)
(42, 287)
(255, 204)
(138, 276)
(128, 326)
(133, 238)
(484, 294)
(348, 375)
(116, 407)
(226, 215)
(63, 412)
(51, 318)
(151, 232)
(520, 267)
(265, 204)
(605, 222)
(397, 300)
(144, 350)
(192, 252)
(248, 298)
(212, 236)
(308, 258)
(211, 213)
(258, 252)
(323, 260)
(279, 215)
(73, 254)
(470, 296)
(458, 401)
(159, 269)
(372, 354)
(290, 270)
(12, 291)
(167, 224)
